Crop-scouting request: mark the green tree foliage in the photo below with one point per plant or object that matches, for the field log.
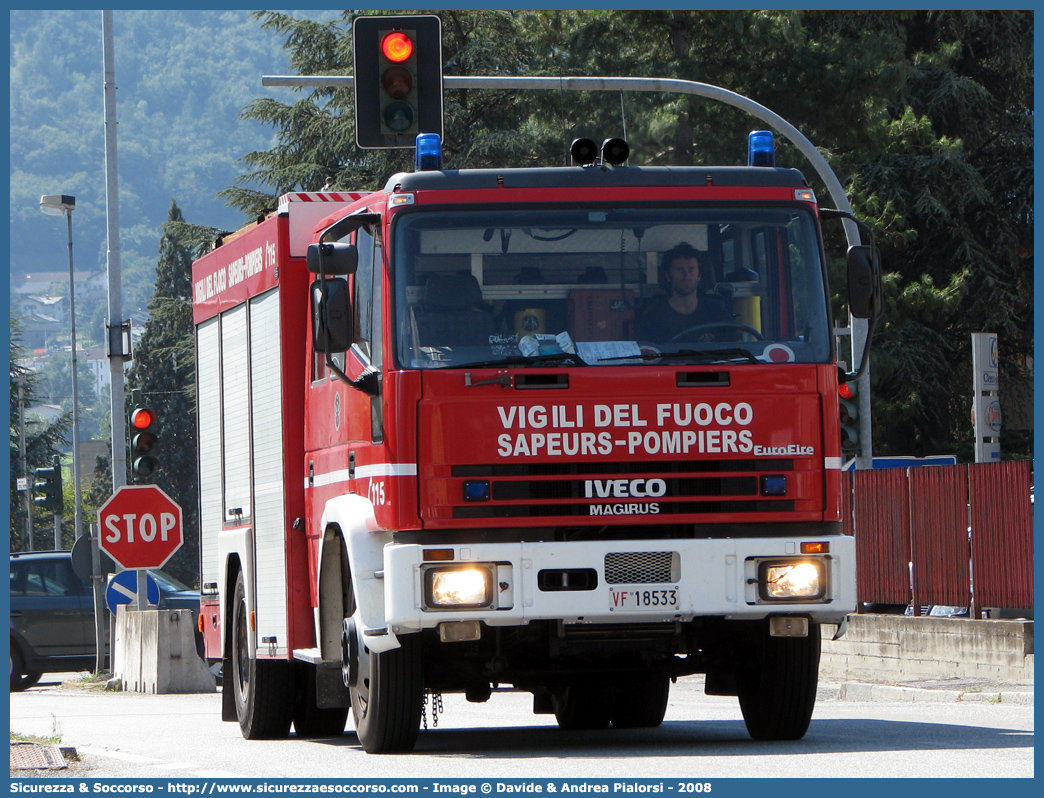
(42, 442)
(952, 189)
(164, 372)
(926, 117)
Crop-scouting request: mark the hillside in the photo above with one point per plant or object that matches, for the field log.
(182, 78)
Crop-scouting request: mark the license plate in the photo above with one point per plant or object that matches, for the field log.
(641, 598)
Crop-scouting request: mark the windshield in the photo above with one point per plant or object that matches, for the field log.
(609, 286)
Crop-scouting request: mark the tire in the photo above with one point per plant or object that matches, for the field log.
(642, 704)
(309, 719)
(261, 688)
(778, 692)
(20, 680)
(582, 707)
(388, 694)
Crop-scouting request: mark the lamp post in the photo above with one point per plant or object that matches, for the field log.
(57, 205)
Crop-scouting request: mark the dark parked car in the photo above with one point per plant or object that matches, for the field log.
(52, 615)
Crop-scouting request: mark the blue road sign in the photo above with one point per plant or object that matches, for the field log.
(123, 589)
(907, 461)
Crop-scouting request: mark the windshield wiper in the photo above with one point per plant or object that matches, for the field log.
(709, 355)
(567, 358)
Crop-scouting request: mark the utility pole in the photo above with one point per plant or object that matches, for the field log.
(119, 332)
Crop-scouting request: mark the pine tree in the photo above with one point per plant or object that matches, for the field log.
(164, 371)
(42, 442)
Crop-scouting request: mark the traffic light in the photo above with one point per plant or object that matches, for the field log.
(398, 79)
(849, 411)
(48, 481)
(143, 440)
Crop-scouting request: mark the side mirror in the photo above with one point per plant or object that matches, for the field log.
(338, 258)
(331, 316)
(865, 290)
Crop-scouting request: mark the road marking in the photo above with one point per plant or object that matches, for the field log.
(161, 764)
(118, 755)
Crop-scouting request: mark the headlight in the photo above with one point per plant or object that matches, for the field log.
(459, 587)
(794, 579)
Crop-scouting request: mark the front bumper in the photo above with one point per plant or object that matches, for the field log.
(614, 582)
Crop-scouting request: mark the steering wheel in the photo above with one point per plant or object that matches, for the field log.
(733, 325)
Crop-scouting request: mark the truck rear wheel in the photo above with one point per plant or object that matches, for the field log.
(582, 707)
(777, 693)
(262, 688)
(309, 719)
(641, 704)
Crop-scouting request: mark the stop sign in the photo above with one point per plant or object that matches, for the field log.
(140, 527)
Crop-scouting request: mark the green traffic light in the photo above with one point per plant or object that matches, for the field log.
(48, 481)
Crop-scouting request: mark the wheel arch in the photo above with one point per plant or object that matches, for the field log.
(350, 536)
(233, 566)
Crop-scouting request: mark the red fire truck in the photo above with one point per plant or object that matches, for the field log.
(453, 440)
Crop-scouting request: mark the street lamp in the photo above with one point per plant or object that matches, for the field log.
(57, 205)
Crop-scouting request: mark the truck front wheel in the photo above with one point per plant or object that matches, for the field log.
(777, 686)
(262, 688)
(388, 691)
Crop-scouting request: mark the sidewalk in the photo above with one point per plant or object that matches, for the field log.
(931, 690)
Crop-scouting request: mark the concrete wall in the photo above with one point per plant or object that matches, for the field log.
(882, 648)
(155, 652)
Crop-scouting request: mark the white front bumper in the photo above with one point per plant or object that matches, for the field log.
(711, 577)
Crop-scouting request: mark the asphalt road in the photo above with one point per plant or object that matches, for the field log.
(703, 737)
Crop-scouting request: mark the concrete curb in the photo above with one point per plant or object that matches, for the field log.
(859, 691)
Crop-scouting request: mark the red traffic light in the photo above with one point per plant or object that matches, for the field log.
(397, 46)
(142, 418)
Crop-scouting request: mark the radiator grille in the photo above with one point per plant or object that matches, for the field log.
(641, 567)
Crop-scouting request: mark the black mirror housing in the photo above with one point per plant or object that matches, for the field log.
(865, 288)
(331, 316)
(337, 259)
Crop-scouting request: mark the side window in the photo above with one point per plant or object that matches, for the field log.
(17, 578)
(51, 578)
(362, 293)
(366, 296)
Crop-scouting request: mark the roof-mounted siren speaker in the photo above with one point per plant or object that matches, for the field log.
(615, 151)
(584, 151)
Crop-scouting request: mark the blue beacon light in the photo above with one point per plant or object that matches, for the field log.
(429, 152)
(761, 150)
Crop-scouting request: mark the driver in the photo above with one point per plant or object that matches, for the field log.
(683, 307)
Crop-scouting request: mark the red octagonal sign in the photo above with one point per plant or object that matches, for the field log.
(140, 527)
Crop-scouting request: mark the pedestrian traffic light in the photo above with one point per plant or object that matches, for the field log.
(48, 481)
(398, 79)
(849, 412)
(143, 440)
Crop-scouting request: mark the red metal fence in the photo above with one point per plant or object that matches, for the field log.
(952, 535)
